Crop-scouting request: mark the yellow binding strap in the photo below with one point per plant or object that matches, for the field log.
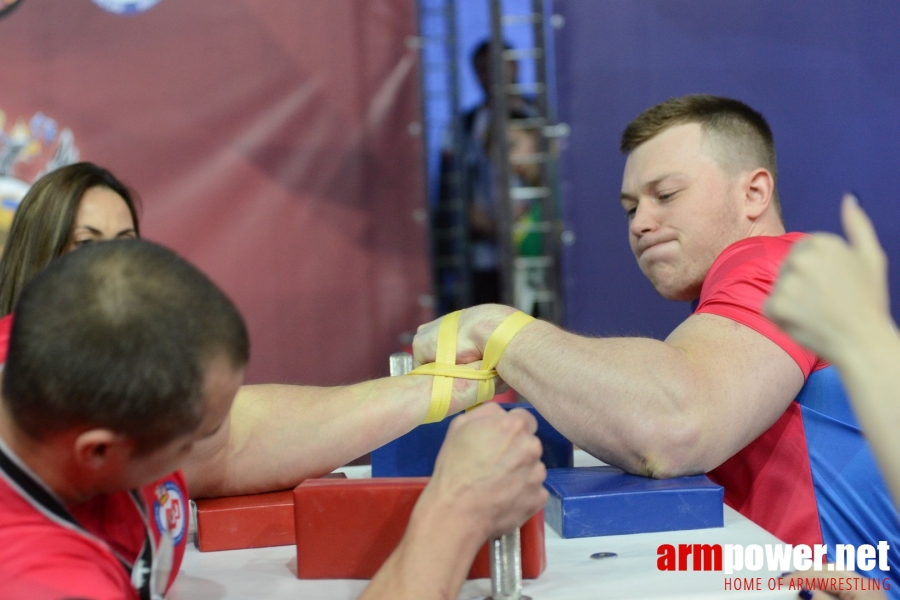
(445, 369)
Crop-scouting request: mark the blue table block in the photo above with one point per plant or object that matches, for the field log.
(591, 501)
(413, 454)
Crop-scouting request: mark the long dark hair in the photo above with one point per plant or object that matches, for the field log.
(42, 226)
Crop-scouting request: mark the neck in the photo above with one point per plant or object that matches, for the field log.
(768, 224)
(47, 460)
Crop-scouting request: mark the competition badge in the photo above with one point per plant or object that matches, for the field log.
(170, 511)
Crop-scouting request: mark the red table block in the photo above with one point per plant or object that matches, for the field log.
(255, 521)
(347, 529)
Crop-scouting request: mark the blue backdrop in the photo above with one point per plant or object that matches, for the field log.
(825, 73)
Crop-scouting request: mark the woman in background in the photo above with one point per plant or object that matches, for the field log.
(69, 207)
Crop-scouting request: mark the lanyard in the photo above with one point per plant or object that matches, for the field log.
(144, 572)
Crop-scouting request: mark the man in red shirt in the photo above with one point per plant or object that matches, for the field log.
(727, 392)
(123, 363)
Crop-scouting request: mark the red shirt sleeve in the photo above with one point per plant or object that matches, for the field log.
(5, 329)
(70, 569)
(741, 279)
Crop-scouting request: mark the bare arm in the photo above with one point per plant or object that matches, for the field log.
(278, 435)
(488, 479)
(656, 408)
(832, 297)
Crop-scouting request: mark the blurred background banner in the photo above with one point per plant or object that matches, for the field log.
(281, 145)
(274, 144)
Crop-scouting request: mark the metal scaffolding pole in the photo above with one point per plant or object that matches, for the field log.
(532, 279)
(500, 119)
(523, 208)
(449, 214)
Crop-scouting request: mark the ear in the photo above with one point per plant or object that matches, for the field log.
(100, 449)
(759, 187)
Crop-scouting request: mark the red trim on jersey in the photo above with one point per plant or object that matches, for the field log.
(37, 552)
(740, 281)
(50, 561)
(770, 480)
(5, 329)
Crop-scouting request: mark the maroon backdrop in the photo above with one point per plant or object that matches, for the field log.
(269, 141)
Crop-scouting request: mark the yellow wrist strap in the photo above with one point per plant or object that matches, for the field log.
(444, 368)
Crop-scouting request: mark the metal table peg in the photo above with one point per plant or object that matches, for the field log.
(401, 363)
(506, 550)
(506, 567)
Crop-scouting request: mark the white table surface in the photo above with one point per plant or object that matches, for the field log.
(570, 575)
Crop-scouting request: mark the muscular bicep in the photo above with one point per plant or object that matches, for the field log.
(746, 380)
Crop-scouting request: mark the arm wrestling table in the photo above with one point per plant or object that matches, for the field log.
(571, 574)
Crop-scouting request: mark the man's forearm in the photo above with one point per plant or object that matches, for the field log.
(283, 434)
(660, 409)
(605, 395)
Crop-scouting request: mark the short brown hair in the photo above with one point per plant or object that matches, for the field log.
(735, 123)
(118, 335)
